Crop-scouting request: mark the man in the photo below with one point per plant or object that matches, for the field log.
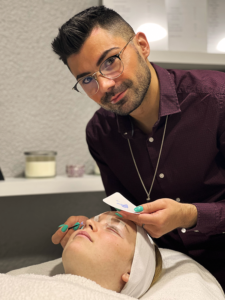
(159, 138)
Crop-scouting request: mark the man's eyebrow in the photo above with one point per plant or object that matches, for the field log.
(101, 58)
(82, 75)
(98, 62)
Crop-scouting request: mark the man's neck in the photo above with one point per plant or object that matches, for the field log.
(147, 114)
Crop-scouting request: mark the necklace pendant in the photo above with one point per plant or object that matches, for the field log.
(148, 199)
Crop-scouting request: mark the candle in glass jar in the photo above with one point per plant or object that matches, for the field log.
(40, 164)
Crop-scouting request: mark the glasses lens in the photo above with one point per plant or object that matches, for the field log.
(87, 85)
(112, 67)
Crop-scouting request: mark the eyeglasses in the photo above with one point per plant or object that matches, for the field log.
(111, 68)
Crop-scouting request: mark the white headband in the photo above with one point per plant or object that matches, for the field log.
(143, 266)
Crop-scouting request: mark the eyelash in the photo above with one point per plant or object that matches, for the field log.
(114, 229)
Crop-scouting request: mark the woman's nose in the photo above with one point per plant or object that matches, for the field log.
(105, 84)
(90, 223)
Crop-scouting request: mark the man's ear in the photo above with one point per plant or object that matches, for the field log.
(142, 44)
(125, 277)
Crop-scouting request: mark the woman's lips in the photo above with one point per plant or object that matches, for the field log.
(84, 234)
(117, 97)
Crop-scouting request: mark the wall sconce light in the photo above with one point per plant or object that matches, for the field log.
(153, 31)
(221, 45)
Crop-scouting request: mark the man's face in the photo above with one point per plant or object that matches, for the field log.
(121, 95)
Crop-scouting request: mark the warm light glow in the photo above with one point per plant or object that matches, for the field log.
(221, 45)
(153, 32)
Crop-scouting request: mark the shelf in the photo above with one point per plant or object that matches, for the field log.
(198, 59)
(56, 185)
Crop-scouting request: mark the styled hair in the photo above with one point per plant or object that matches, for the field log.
(74, 33)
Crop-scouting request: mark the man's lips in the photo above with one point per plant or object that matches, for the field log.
(117, 97)
(84, 233)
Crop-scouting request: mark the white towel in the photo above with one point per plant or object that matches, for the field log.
(182, 279)
(59, 287)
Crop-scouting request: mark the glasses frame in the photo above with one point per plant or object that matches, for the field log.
(94, 74)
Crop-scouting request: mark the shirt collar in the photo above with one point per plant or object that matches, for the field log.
(168, 97)
(168, 104)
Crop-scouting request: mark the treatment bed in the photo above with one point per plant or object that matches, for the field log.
(182, 279)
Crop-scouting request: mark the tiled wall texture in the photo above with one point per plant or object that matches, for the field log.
(39, 110)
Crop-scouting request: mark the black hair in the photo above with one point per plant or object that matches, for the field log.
(74, 32)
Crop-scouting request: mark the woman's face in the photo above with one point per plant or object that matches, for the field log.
(103, 250)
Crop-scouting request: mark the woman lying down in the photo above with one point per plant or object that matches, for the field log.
(116, 254)
(113, 259)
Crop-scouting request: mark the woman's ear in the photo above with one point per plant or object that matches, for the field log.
(142, 44)
(125, 277)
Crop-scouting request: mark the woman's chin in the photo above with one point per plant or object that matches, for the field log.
(75, 261)
(73, 249)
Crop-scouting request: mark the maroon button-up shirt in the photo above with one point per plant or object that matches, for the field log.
(192, 159)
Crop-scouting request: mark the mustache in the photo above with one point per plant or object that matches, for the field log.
(108, 96)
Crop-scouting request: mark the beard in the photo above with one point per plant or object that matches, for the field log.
(135, 92)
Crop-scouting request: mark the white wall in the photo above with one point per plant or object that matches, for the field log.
(39, 109)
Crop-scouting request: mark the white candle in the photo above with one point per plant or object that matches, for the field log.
(40, 169)
(40, 164)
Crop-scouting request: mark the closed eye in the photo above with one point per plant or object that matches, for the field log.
(114, 229)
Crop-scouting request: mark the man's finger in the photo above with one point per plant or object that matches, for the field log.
(65, 239)
(144, 218)
(148, 208)
(71, 221)
(57, 236)
(154, 206)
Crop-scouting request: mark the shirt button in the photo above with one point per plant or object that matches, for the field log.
(161, 175)
(125, 133)
(196, 230)
(183, 230)
(151, 139)
(178, 199)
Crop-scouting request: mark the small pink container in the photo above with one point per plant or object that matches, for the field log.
(75, 170)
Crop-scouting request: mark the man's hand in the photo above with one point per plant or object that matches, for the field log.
(63, 237)
(164, 215)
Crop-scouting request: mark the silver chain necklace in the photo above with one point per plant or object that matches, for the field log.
(148, 194)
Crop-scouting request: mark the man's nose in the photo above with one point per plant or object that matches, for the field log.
(105, 84)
